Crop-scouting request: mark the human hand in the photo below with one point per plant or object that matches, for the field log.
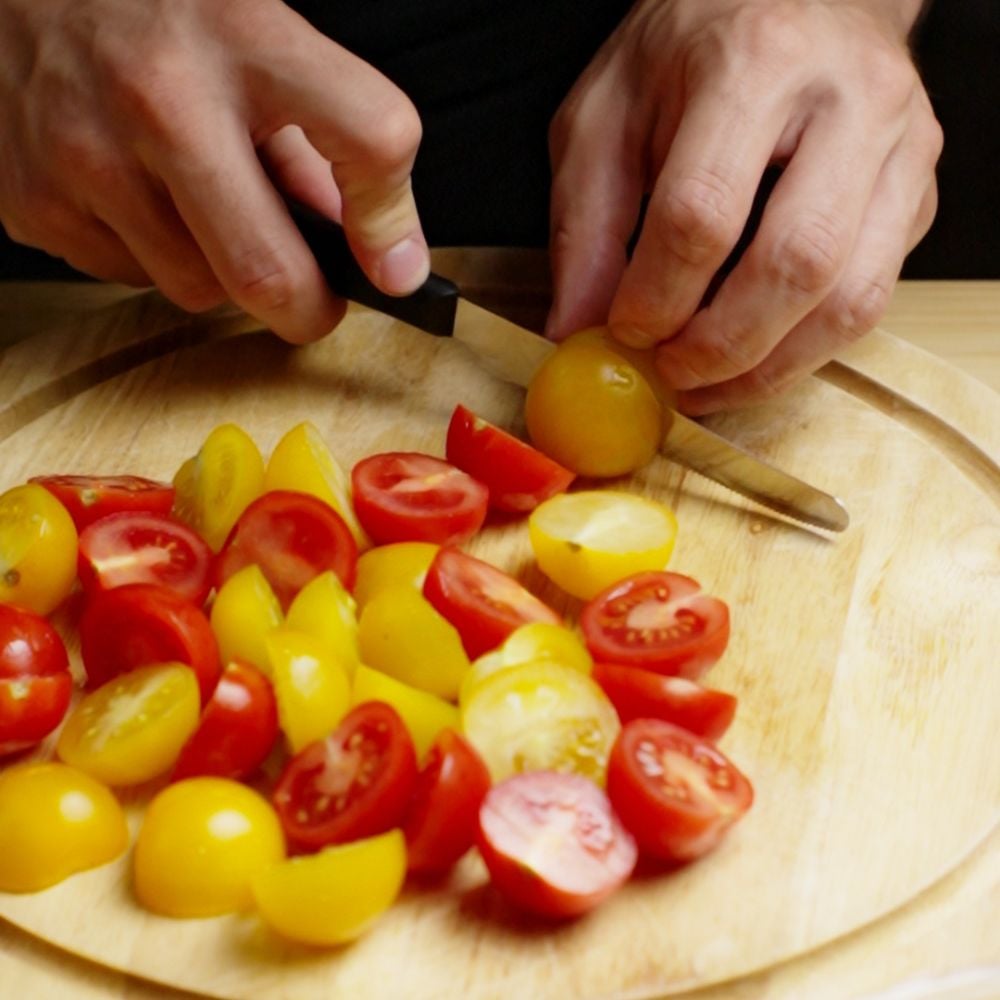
(690, 101)
(151, 142)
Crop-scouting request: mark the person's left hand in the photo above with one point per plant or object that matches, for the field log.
(690, 101)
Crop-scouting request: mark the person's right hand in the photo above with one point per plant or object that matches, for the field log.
(147, 142)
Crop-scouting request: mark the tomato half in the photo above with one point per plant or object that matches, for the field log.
(89, 498)
(139, 624)
(355, 783)
(443, 815)
(677, 793)
(244, 611)
(642, 694)
(293, 537)
(517, 476)
(482, 602)
(410, 497)
(552, 843)
(145, 548)
(658, 621)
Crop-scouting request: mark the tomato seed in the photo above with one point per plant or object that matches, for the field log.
(12, 577)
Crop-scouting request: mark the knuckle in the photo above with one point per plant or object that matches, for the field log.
(857, 309)
(770, 33)
(728, 353)
(697, 221)
(263, 282)
(809, 258)
(889, 73)
(395, 135)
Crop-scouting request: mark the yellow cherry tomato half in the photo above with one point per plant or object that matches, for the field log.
(38, 545)
(592, 410)
(334, 896)
(584, 542)
(55, 821)
(301, 461)
(402, 634)
(132, 728)
(313, 691)
(201, 844)
(390, 565)
(219, 483)
(541, 717)
(243, 613)
(324, 609)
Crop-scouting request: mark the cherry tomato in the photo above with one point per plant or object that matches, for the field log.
(641, 694)
(592, 410)
(37, 549)
(657, 621)
(410, 497)
(390, 565)
(552, 843)
(136, 547)
(293, 537)
(334, 896)
(585, 542)
(89, 498)
(481, 601)
(244, 612)
(443, 815)
(35, 682)
(517, 476)
(55, 821)
(139, 624)
(237, 729)
(355, 783)
(676, 793)
(201, 843)
(325, 610)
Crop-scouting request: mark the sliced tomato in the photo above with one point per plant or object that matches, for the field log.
(237, 728)
(676, 792)
(482, 602)
(89, 498)
(410, 497)
(553, 844)
(642, 694)
(659, 621)
(518, 476)
(293, 537)
(145, 548)
(355, 783)
(443, 815)
(141, 624)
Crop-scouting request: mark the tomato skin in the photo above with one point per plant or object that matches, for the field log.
(517, 476)
(643, 694)
(541, 863)
(139, 547)
(90, 498)
(676, 793)
(356, 783)
(140, 624)
(443, 815)
(658, 621)
(482, 602)
(237, 729)
(293, 537)
(412, 497)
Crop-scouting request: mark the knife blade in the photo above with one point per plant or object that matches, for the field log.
(514, 354)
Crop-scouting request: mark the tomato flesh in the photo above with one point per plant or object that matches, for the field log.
(89, 498)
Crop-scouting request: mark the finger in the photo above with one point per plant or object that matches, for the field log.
(298, 169)
(99, 252)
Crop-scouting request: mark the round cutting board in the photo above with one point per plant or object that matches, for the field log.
(865, 663)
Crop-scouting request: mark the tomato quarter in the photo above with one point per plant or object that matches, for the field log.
(89, 498)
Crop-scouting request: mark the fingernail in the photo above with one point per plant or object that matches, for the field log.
(404, 267)
(632, 336)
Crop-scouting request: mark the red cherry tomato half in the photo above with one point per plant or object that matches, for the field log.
(292, 537)
(481, 601)
(354, 784)
(642, 694)
(145, 548)
(553, 844)
(238, 727)
(410, 497)
(659, 621)
(89, 498)
(443, 815)
(35, 683)
(142, 624)
(677, 793)
(518, 476)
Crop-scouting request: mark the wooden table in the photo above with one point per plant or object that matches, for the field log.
(943, 944)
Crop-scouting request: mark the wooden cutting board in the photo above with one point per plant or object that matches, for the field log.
(866, 663)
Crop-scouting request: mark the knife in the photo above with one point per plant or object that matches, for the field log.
(514, 354)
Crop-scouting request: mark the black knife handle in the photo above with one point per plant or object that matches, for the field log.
(431, 307)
